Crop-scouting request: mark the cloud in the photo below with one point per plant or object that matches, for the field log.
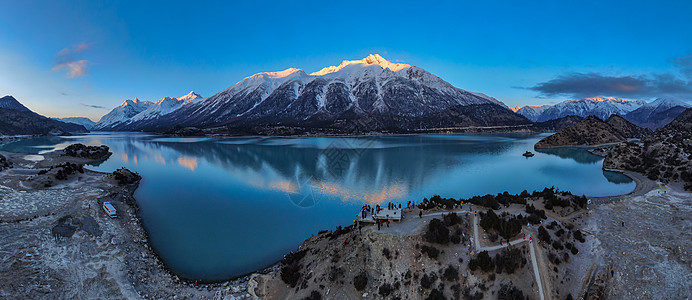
(67, 60)
(685, 65)
(583, 85)
(94, 106)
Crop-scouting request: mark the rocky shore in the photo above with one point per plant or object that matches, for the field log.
(59, 244)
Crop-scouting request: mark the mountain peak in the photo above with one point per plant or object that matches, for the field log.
(9, 102)
(668, 102)
(190, 96)
(372, 59)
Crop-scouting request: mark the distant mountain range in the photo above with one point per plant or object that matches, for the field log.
(131, 112)
(658, 113)
(650, 115)
(371, 94)
(16, 119)
(86, 122)
(601, 107)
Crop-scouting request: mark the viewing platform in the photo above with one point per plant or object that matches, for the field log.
(383, 214)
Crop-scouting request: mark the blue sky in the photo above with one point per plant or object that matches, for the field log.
(71, 58)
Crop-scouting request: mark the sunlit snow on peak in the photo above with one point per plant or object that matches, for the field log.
(372, 59)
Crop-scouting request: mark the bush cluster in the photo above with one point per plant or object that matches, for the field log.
(482, 261)
(290, 267)
(314, 295)
(65, 170)
(426, 281)
(360, 281)
(507, 228)
(4, 163)
(385, 289)
(509, 260)
(81, 150)
(451, 273)
(506, 199)
(510, 292)
(578, 236)
(431, 252)
(544, 235)
(437, 232)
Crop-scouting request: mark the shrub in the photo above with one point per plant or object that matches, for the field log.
(451, 274)
(509, 260)
(290, 267)
(574, 250)
(437, 232)
(431, 252)
(452, 219)
(436, 295)
(508, 292)
(386, 253)
(455, 239)
(543, 235)
(315, 295)
(360, 281)
(385, 289)
(507, 228)
(482, 261)
(427, 280)
(557, 245)
(578, 236)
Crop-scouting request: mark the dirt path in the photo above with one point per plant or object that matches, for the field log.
(476, 240)
(535, 271)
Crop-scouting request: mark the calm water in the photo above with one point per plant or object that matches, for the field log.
(222, 207)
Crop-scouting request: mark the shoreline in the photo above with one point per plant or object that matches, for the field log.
(579, 146)
(122, 247)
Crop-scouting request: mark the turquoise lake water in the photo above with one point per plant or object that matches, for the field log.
(217, 208)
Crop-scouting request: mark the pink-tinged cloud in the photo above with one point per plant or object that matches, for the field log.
(67, 60)
(73, 69)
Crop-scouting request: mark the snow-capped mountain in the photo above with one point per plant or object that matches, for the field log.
(122, 114)
(133, 111)
(601, 107)
(531, 112)
(8, 102)
(385, 94)
(86, 122)
(165, 106)
(658, 113)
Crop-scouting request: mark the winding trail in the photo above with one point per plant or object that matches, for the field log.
(477, 243)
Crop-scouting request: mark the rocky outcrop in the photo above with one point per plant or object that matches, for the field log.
(93, 152)
(594, 131)
(4, 163)
(664, 155)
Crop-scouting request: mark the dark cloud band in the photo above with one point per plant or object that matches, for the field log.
(582, 85)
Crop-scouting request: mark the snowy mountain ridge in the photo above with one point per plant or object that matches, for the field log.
(135, 110)
(601, 107)
(371, 88)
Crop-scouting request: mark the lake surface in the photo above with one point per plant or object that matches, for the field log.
(216, 208)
